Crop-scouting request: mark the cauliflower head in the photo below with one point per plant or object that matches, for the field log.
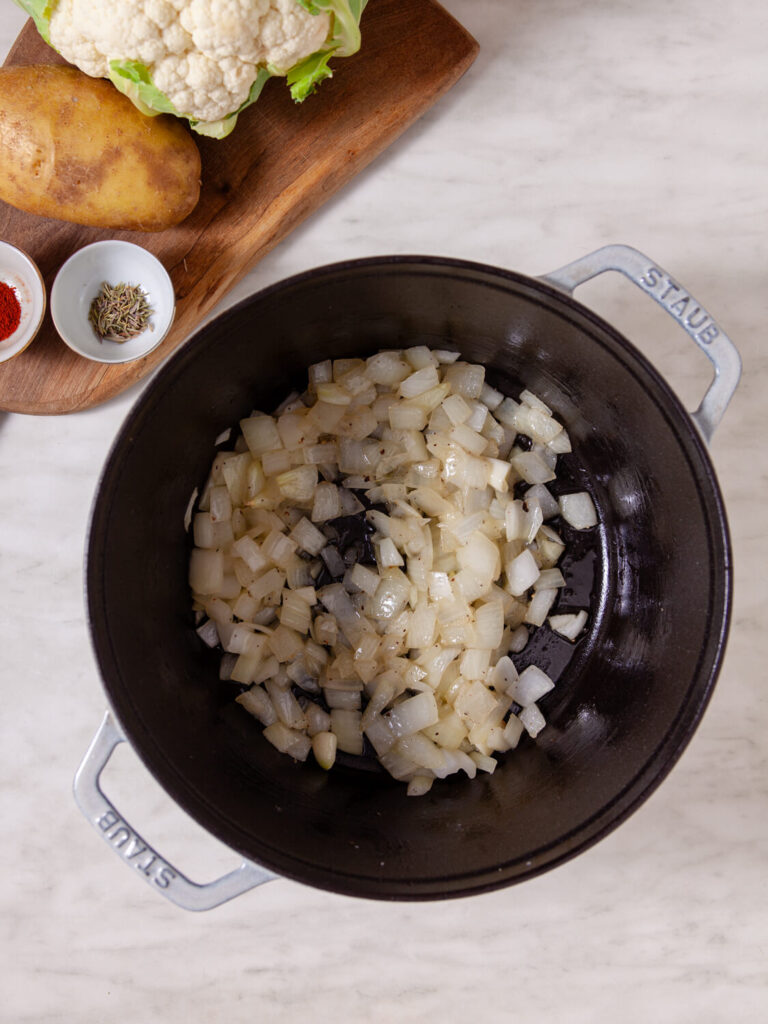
(203, 60)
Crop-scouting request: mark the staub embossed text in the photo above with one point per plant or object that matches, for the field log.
(675, 299)
(134, 850)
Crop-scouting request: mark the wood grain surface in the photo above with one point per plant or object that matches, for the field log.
(279, 165)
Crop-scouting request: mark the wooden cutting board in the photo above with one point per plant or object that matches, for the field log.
(279, 165)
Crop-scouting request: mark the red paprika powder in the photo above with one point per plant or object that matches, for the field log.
(10, 310)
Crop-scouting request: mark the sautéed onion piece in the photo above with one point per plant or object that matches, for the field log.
(398, 639)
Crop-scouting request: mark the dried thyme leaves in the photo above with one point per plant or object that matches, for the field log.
(119, 312)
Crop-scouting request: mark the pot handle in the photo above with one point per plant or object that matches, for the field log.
(680, 304)
(128, 844)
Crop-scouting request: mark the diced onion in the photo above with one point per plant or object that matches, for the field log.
(318, 720)
(483, 762)
(532, 467)
(288, 741)
(578, 510)
(307, 537)
(518, 639)
(541, 601)
(286, 706)
(504, 674)
(533, 720)
(513, 730)
(412, 655)
(541, 494)
(260, 433)
(388, 556)
(250, 552)
(364, 579)
(327, 504)
(413, 715)
(419, 382)
(569, 625)
(522, 573)
(206, 571)
(257, 702)
(531, 685)
(346, 725)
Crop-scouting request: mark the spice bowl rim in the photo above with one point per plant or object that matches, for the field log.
(33, 305)
(77, 283)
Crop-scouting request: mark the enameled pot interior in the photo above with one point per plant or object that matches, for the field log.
(655, 576)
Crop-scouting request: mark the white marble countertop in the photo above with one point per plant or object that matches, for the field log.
(580, 124)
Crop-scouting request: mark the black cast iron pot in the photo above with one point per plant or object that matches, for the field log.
(656, 576)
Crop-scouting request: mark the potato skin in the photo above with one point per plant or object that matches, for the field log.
(74, 148)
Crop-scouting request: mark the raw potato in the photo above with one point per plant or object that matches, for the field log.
(74, 148)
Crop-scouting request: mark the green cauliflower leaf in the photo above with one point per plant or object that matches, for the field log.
(343, 41)
(134, 80)
(40, 11)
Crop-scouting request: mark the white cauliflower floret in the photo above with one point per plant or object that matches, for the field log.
(277, 32)
(129, 31)
(203, 54)
(162, 12)
(208, 87)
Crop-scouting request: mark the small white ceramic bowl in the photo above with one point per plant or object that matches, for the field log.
(78, 283)
(20, 272)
